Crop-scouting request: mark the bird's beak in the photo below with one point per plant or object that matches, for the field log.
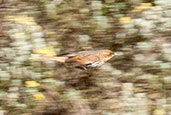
(115, 54)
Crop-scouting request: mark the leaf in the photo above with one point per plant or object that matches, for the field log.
(39, 96)
(22, 19)
(142, 7)
(125, 20)
(45, 51)
(31, 84)
(159, 112)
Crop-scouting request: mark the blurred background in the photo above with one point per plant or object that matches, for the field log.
(137, 82)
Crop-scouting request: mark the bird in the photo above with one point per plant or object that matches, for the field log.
(83, 59)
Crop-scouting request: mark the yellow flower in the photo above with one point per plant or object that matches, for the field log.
(45, 51)
(125, 20)
(39, 96)
(31, 84)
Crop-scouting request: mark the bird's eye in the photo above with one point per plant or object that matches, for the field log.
(108, 54)
(111, 53)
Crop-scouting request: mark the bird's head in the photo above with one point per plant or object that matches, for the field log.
(107, 54)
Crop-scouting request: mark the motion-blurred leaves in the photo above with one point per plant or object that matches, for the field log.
(31, 84)
(45, 51)
(39, 96)
(21, 19)
(125, 20)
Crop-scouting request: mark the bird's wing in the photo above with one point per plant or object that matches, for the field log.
(79, 54)
(85, 59)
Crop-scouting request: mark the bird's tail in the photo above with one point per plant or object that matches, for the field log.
(38, 57)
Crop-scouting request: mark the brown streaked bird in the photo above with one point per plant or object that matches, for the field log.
(92, 58)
